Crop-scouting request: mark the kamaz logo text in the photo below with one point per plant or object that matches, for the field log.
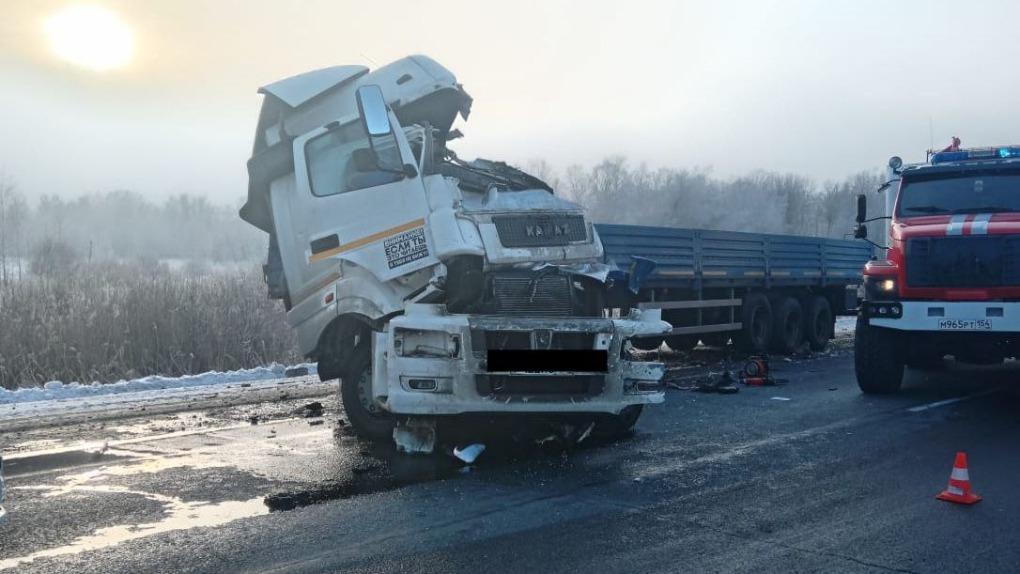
(543, 231)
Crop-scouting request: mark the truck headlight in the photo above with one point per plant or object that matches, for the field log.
(430, 344)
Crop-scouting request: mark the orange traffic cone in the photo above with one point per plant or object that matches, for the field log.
(958, 490)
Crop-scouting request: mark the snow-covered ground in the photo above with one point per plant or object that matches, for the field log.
(57, 390)
(59, 403)
(845, 325)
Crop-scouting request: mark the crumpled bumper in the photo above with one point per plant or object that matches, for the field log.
(430, 363)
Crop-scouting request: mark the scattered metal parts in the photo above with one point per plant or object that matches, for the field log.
(470, 453)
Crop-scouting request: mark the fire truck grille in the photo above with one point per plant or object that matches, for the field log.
(968, 261)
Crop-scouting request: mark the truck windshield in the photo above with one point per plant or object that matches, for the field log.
(957, 193)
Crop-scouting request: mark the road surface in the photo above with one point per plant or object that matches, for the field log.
(810, 476)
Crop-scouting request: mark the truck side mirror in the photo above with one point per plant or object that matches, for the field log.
(861, 232)
(862, 208)
(372, 109)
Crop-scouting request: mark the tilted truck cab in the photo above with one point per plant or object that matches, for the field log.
(949, 283)
(404, 268)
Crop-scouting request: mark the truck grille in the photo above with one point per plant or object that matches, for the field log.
(547, 388)
(531, 294)
(968, 261)
(483, 340)
(539, 230)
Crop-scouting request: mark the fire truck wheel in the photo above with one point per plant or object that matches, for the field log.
(647, 343)
(682, 342)
(756, 316)
(368, 420)
(787, 326)
(877, 359)
(818, 322)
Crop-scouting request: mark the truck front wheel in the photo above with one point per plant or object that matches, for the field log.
(368, 420)
(615, 426)
(878, 361)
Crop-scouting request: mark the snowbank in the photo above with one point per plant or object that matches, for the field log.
(57, 390)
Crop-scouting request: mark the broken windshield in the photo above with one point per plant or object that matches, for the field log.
(957, 193)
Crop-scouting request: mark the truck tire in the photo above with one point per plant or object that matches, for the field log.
(615, 426)
(647, 343)
(787, 326)
(878, 362)
(756, 316)
(368, 420)
(682, 342)
(818, 322)
(715, 339)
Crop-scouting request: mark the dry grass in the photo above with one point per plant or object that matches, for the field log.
(107, 321)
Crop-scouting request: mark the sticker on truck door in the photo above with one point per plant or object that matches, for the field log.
(965, 324)
(406, 247)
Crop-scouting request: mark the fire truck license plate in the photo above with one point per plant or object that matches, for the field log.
(965, 324)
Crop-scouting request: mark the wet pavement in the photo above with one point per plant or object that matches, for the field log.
(807, 476)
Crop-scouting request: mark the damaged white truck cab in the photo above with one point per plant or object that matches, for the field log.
(427, 284)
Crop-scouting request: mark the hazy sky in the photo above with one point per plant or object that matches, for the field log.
(820, 88)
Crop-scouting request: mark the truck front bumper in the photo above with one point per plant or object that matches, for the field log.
(430, 363)
(945, 316)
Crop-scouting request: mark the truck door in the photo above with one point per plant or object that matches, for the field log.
(359, 199)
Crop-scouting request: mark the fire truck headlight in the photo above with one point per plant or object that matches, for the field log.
(887, 285)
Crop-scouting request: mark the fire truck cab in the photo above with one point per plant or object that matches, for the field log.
(949, 281)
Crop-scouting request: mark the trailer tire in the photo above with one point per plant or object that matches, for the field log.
(647, 343)
(756, 316)
(878, 362)
(682, 342)
(368, 421)
(818, 323)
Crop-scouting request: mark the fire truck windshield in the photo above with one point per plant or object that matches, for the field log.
(956, 193)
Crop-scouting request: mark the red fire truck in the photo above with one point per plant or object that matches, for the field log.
(949, 282)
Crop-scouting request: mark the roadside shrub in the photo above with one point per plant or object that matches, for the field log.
(107, 321)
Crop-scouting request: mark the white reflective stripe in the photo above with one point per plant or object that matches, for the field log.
(980, 224)
(955, 226)
(953, 490)
(960, 474)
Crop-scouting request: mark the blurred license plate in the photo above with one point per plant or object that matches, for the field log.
(965, 324)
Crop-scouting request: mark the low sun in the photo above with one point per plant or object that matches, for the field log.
(92, 37)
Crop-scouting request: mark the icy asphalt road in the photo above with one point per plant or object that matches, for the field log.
(826, 481)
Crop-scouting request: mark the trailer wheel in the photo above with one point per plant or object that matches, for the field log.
(647, 343)
(368, 420)
(756, 315)
(682, 342)
(877, 359)
(787, 326)
(818, 323)
(715, 339)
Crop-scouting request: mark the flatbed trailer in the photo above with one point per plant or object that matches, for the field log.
(766, 292)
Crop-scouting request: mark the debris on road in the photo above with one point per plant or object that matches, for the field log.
(757, 372)
(586, 433)
(780, 398)
(316, 422)
(311, 410)
(296, 372)
(415, 435)
(469, 453)
(722, 384)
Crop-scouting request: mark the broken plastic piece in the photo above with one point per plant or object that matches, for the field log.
(469, 453)
(415, 436)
